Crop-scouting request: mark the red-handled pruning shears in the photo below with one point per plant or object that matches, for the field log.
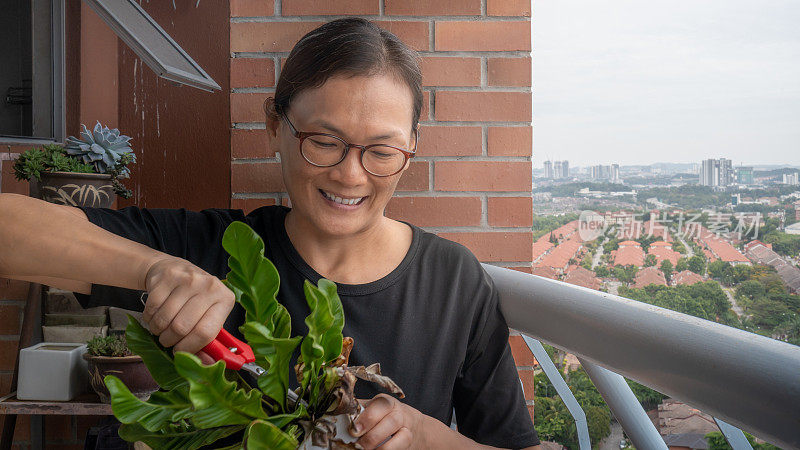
(236, 354)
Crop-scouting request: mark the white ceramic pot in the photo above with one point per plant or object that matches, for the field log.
(52, 372)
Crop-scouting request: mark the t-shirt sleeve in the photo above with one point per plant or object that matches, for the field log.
(192, 235)
(488, 399)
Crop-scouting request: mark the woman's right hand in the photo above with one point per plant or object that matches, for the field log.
(186, 306)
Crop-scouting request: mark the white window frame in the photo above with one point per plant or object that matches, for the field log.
(125, 17)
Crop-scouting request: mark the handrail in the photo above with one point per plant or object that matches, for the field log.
(748, 380)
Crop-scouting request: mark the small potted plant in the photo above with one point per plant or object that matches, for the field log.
(85, 172)
(111, 355)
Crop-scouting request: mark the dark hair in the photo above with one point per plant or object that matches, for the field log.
(351, 47)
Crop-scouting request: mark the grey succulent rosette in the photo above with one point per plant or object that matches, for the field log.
(103, 147)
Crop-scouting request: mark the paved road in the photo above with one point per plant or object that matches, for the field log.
(612, 441)
(598, 254)
(729, 292)
(689, 249)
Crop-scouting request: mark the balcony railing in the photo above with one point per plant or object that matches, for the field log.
(742, 379)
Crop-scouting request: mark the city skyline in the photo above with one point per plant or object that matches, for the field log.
(639, 82)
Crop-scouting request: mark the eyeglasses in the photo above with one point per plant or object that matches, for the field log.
(327, 150)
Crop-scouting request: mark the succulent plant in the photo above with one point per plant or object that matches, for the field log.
(102, 147)
(108, 346)
(49, 158)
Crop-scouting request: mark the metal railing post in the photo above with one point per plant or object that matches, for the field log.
(626, 408)
(735, 437)
(562, 389)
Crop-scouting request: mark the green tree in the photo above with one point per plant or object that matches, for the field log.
(646, 240)
(650, 260)
(697, 264)
(542, 385)
(666, 267)
(683, 264)
(768, 314)
(722, 271)
(772, 283)
(789, 329)
(783, 244)
(741, 273)
(649, 398)
(679, 247)
(625, 273)
(601, 271)
(717, 441)
(598, 420)
(611, 245)
(750, 290)
(710, 294)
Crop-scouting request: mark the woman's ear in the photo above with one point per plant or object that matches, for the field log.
(273, 144)
(272, 118)
(272, 127)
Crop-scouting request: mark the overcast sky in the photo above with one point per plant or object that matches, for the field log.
(643, 81)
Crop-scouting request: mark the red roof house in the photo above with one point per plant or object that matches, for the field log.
(648, 276)
(686, 277)
(628, 253)
(559, 257)
(663, 251)
(583, 277)
(546, 272)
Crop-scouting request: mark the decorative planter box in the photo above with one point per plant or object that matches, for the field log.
(52, 371)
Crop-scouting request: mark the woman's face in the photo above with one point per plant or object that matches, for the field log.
(360, 110)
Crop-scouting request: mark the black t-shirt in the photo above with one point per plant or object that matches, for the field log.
(433, 323)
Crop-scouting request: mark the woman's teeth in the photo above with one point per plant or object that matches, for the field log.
(343, 201)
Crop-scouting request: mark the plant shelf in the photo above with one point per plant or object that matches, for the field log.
(87, 404)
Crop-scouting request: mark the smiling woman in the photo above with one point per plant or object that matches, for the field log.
(344, 120)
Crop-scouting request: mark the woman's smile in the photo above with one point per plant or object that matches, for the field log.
(346, 203)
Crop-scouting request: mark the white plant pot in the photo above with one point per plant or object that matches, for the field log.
(52, 372)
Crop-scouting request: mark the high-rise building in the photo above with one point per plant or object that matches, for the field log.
(726, 174)
(708, 172)
(716, 172)
(791, 179)
(556, 169)
(744, 175)
(605, 172)
(548, 169)
(560, 169)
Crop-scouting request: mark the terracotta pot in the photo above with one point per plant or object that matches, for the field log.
(75, 189)
(130, 369)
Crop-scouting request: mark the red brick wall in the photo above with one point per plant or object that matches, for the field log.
(471, 179)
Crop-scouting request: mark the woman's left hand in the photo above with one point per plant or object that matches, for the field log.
(386, 419)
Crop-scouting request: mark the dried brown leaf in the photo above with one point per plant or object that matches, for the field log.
(343, 399)
(372, 373)
(344, 357)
